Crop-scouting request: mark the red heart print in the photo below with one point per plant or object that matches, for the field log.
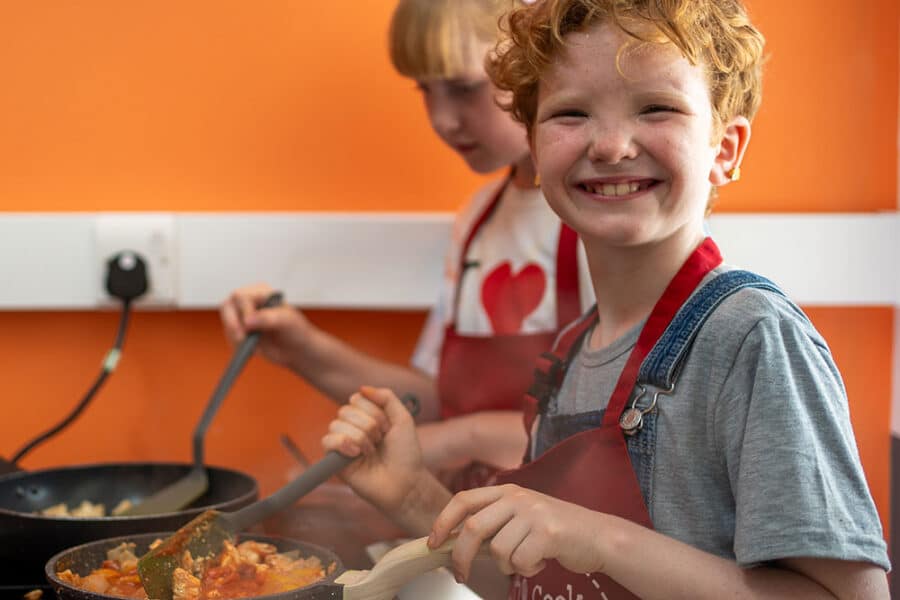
(509, 298)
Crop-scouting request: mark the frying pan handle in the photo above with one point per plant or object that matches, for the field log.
(397, 568)
(7, 467)
(240, 358)
(316, 474)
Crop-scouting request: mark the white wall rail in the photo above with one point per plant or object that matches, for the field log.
(394, 260)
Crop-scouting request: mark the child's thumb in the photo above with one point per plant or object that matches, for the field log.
(395, 409)
(270, 319)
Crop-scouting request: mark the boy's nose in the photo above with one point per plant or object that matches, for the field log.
(444, 118)
(611, 145)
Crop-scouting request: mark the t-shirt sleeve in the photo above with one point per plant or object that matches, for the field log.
(783, 425)
(426, 356)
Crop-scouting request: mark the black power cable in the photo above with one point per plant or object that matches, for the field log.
(126, 279)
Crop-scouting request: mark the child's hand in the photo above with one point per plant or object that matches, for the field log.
(524, 528)
(283, 328)
(445, 446)
(377, 426)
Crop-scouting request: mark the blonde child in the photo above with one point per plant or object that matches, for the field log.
(512, 273)
(692, 438)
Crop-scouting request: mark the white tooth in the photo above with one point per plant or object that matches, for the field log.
(622, 189)
(609, 189)
(633, 187)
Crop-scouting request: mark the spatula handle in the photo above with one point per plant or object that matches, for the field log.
(240, 358)
(317, 473)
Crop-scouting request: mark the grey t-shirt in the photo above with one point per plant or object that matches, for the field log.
(755, 458)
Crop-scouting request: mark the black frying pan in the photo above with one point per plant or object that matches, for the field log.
(87, 557)
(27, 540)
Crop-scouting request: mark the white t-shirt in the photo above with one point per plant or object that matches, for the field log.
(510, 285)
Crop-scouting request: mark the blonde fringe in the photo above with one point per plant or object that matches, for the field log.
(436, 38)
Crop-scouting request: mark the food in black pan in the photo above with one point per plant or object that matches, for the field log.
(85, 510)
(250, 568)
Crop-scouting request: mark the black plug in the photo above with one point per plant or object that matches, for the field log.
(126, 275)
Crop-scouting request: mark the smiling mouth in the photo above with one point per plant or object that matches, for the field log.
(465, 147)
(624, 188)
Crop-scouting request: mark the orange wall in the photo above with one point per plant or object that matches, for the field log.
(212, 105)
(217, 105)
(287, 105)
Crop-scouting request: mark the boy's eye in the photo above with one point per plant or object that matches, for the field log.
(464, 88)
(657, 108)
(568, 113)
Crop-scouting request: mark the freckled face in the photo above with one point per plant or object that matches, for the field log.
(463, 112)
(624, 154)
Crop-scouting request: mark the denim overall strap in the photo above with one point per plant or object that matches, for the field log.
(662, 364)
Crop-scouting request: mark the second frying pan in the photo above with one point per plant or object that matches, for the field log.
(28, 539)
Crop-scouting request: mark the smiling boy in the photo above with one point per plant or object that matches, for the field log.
(692, 436)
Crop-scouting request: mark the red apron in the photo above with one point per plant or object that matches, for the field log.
(592, 468)
(493, 372)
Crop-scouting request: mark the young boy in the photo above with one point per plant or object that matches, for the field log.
(692, 438)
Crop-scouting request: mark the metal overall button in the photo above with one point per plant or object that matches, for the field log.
(632, 419)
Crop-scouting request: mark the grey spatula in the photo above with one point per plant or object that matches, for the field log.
(181, 493)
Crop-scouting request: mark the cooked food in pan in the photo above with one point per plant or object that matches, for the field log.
(85, 510)
(247, 569)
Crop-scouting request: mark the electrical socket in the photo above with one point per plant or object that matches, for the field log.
(152, 235)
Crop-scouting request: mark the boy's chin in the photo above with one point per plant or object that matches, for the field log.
(611, 236)
(484, 166)
(481, 169)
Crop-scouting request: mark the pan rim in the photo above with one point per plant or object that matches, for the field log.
(10, 478)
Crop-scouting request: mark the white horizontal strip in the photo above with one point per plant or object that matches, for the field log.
(47, 261)
(395, 260)
(818, 259)
(368, 260)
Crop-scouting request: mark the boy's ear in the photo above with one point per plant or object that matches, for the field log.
(735, 137)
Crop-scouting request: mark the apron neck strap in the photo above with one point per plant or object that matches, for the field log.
(568, 302)
(702, 260)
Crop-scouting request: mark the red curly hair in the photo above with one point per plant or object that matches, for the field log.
(717, 34)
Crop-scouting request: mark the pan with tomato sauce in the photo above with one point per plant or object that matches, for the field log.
(258, 566)
(28, 538)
